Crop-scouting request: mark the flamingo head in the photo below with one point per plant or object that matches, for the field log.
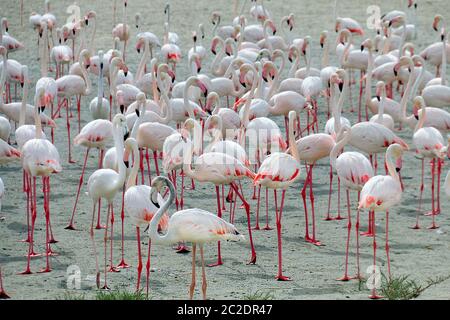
(290, 22)
(380, 89)
(215, 41)
(120, 100)
(396, 21)
(437, 20)
(215, 18)
(323, 38)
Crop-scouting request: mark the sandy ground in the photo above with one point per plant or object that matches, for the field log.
(421, 254)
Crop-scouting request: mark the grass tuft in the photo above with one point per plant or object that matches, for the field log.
(260, 295)
(120, 295)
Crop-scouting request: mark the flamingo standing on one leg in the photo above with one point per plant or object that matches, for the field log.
(381, 193)
(106, 183)
(354, 170)
(194, 225)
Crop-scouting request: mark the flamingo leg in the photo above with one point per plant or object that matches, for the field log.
(374, 293)
(91, 233)
(330, 191)
(122, 264)
(27, 189)
(68, 131)
(147, 266)
(105, 240)
(47, 236)
(433, 174)
(99, 225)
(139, 266)
(223, 198)
(358, 272)
(204, 283)
(219, 214)
(267, 227)
(155, 157)
(192, 287)
(71, 225)
(111, 240)
(419, 209)
(33, 219)
(303, 194)
(79, 112)
(279, 215)
(438, 195)
(313, 240)
(339, 217)
(349, 228)
(141, 165)
(3, 294)
(257, 209)
(247, 211)
(182, 190)
(387, 244)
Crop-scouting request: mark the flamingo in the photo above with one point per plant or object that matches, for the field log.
(139, 207)
(73, 85)
(122, 30)
(194, 225)
(5, 128)
(279, 171)
(384, 119)
(61, 55)
(40, 158)
(8, 153)
(106, 183)
(354, 170)
(434, 52)
(430, 144)
(9, 42)
(171, 36)
(381, 193)
(219, 169)
(99, 106)
(223, 32)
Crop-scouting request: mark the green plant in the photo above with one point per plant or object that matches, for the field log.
(120, 295)
(260, 295)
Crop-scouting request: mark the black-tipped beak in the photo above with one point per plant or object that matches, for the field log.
(122, 108)
(40, 34)
(417, 117)
(243, 84)
(87, 22)
(291, 28)
(442, 37)
(390, 24)
(341, 87)
(398, 169)
(42, 109)
(206, 93)
(362, 48)
(88, 65)
(321, 45)
(199, 69)
(378, 98)
(213, 52)
(138, 113)
(228, 54)
(265, 79)
(74, 32)
(304, 52)
(126, 135)
(395, 73)
(138, 50)
(127, 164)
(209, 112)
(290, 59)
(415, 5)
(435, 29)
(275, 32)
(101, 65)
(159, 90)
(126, 73)
(213, 23)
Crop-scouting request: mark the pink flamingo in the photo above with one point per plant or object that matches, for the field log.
(279, 171)
(429, 143)
(73, 85)
(380, 194)
(354, 170)
(122, 30)
(219, 169)
(40, 158)
(139, 207)
(194, 225)
(106, 183)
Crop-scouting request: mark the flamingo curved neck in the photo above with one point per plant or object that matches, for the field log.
(291, 137)
(326, 55)
(215, 65)
(391, 166)
(187, 105)
(135, 169)
(407, 93)
(343, 96)
(369, 77)
(295, 65)
(118, 143)
(153, 229)
(338, 148)
(143, 62)
(422, 118)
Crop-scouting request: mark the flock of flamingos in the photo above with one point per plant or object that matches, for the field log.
(157, 120)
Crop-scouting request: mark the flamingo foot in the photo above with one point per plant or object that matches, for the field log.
(72, 161)
(366, 234)
(26, 272)
(70, 227)
(229, 199)
(123, 265)
(339, 217)
(105, 287)
(313, 241)
(34, 254)
(415, 227)
(3, 295)
(256, 227)
(99, 227)
(27, 240)
(328, 218)
(52, 253)
(182, 249)
(218, 263)
(267, 228)
(97, 280)
(280, 277)
(375, 297)
(433, 227)
(252, 260)
(45, 270)
(53, 241)
(430, 213)
(344, 278)
(113, 269)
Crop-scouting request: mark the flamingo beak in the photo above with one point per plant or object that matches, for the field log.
(122, 108)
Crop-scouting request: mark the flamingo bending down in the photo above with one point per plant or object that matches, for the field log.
(380, 194)
(194, 225)
(354, 170)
